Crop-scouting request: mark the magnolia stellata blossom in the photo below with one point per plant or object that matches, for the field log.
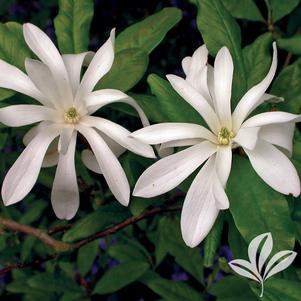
(266, 139)
(66, 104)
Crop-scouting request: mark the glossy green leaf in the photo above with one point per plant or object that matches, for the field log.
(120, 276)
(278, 290)
(280, 8)
(246, 9)
(212, 241)
(72, 25)
(96, 221)
(86, 256)
(128, 68)
(171, 240)
(287, 85)
(257, 208)
(218, 29)
(170, 290)
(172, 106)
(147, 34)
(292, 44)
(13, 49)
(257, 59)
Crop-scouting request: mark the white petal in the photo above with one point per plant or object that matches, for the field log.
(280, 135)
(41, 76)
(51, 159)
(247, 137)
(19, 115)
(223, 163)
(119, 134)
(65, 138)
(170, 171)
(74, 64)
(13, 78)
(196, 100)
(274, 168)
(89, 160)
(270, 118)
(199, 210)
(99, 66)
(108, 163)
(271, 98)
(223, 74)
(43, 47)
(186, 62)
(253, 98)
(64, 194)
(164, 132)
(220, 196)
(100, 98)
(23, 174)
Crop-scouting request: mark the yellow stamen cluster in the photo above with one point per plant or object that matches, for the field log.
(71, 116)
(224, 136)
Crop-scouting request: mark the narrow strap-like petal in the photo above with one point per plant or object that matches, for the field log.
(223, 163)
(196, 100)
(170, 171)
(66, 135)
(23, 174)
(46, 51)
(74, 64)
(253, 98)
(41, 76)
(119, 134)
(99, 66)
(109, 165)
(64, 194)
(199, 209)
(19, 115)
(13, 78)
(280, 135)
(267, 118)
(100, 98)
(247, 137)
(223, 74)
(274, 168)
(164, 132)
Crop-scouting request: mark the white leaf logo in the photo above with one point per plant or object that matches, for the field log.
(259, 251)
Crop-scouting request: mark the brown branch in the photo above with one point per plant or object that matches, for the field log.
(41, 235)
(59, 229)
(57, 245)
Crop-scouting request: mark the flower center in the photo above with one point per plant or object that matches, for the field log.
(224, 136)
(71, 116)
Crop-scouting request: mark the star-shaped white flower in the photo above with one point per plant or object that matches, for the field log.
(266, 139)
(67, 102)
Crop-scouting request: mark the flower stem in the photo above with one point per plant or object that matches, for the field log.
(262, 289)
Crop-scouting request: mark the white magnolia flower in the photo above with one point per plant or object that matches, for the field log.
(266, 139)
(66, 104)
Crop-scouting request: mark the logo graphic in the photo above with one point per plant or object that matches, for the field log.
(259, 268)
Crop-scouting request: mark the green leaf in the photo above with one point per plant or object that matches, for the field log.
(246, 9)
(257, 208)
(34, 212)
(72, 25)
(13, 49)
(49, 282)
(120, 276)
(218, 29)
(280, 8)
(212, 241)
(148, 33)
(128, 68)
(172, 106)
(292, 44)
(170, 290)
(232, 288)
(287, 85)
(278, 290)
(86, 256)
(258, 59)
(96, 221)
(171, 240)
